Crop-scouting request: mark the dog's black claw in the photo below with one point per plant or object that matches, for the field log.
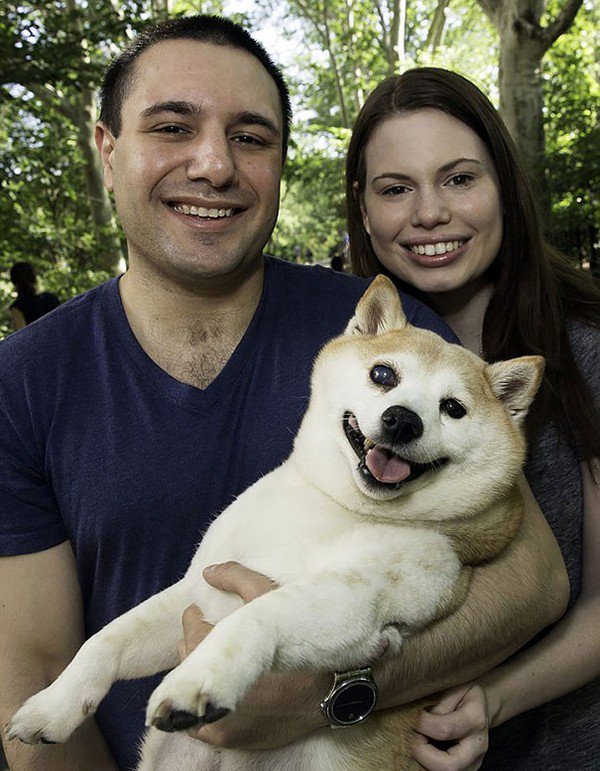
(47, 741)
(176, 720)
(212, 713)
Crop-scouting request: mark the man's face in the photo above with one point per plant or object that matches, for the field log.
(196, 168)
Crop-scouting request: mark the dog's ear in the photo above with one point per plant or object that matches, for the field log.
(379, 310)
(515, 382)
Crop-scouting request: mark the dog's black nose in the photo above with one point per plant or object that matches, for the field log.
(401, 425)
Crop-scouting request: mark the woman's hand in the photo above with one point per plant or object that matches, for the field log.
(460, 718)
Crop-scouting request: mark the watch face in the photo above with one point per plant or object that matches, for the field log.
(353, 703)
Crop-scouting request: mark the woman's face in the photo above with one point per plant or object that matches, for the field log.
(431, 203)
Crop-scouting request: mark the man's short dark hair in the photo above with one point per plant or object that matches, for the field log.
(119, 77)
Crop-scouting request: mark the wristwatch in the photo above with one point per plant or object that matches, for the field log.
(352, 698)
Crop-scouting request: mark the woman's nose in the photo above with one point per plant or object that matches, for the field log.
(430, 208)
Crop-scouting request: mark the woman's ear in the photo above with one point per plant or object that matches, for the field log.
(363, 210)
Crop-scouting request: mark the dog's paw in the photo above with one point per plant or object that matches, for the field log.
(46, 718)
(168, 718)
(178, 704)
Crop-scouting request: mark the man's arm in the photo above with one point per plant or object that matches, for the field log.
(509, 600)
(41, 628)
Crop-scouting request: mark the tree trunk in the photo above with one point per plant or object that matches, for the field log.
(397, 36)
(84, 116)
(523, 43)
(436, 30)
(521, 100)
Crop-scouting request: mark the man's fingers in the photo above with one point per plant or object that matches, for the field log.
(237, 579)
(195, 629)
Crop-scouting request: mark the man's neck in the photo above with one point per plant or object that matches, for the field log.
(190, 331)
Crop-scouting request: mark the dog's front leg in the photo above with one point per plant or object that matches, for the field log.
(141, 642)
(335, 618)
(323, 623)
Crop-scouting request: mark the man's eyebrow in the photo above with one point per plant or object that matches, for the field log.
(189, 108)
(181, 108)
(256, 119)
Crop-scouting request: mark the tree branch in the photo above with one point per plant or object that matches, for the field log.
(561, 24)
(491, 8)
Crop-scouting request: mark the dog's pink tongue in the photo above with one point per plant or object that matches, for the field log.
(385, 466)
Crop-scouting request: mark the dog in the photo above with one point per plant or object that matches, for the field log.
(402, 476)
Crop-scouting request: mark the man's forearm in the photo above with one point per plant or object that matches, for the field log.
(509, 601)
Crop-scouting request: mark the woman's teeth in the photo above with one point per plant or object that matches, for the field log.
(198, 211)
(439, 248)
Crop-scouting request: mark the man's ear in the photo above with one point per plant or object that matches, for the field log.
(515, 382)
(379, 310)
(105, 142)
(363, 211)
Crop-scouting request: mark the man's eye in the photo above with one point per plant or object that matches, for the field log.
(247, 139)
(383, 375)
(171, 129)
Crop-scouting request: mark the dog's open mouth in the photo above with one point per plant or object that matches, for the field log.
(378, 464)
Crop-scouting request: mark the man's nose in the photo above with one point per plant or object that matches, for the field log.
(430, 208)
(211, 159)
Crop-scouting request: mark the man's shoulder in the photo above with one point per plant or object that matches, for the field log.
(58, 331)
(309, 278)
(329, 291)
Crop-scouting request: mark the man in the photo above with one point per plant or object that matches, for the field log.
(147, 404)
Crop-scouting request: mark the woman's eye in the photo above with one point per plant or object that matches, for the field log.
(395, 190)
(460, 180)
(453, 408)
(382, 375)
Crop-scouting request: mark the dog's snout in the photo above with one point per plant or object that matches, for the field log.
(402, 424)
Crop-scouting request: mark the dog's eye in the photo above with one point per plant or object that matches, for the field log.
(382, 375)
(453, 408)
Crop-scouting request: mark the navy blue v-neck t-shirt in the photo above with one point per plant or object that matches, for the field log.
(100, 446)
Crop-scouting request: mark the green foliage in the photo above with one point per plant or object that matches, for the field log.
(571, 96)
(346, 48)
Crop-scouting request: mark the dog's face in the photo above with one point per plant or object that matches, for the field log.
(411, 412)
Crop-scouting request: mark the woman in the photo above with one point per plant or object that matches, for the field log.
(438, 200)
(30, 304)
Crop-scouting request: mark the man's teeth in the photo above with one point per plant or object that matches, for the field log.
(199, 211)
(439, 248)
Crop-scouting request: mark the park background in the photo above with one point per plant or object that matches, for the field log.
(534, 58)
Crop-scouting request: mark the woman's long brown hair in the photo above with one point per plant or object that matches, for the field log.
(536, 290)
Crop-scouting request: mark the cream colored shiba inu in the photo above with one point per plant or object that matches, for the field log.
(402, 475)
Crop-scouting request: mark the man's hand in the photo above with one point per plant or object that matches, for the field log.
(461, 718)
(280, 707)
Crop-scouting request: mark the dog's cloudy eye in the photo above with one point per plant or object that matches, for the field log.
(453, 408)
(383, 375)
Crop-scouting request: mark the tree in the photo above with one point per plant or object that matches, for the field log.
(55, 56)
(524, 40)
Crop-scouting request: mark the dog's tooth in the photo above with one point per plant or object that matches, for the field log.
(368, 444)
